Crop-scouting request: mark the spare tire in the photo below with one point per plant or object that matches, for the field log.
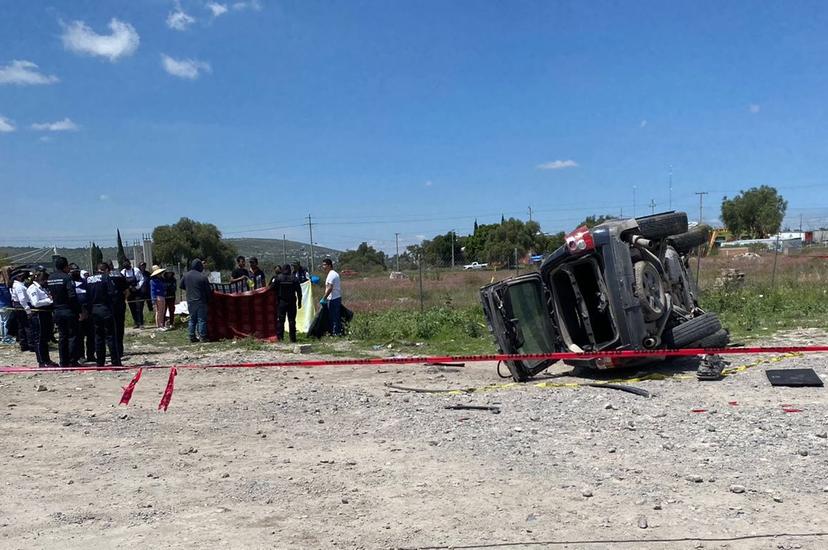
(718, 339)
(694, 330)
(659, 226)
(650, 290)
(686, 242)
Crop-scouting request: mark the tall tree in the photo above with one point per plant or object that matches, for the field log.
(593, 220)
(364, 258)
(475, 226)
(97, 256)
(755, 213)
(122, 257)
(188, 239)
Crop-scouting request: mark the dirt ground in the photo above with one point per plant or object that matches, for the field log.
(334, 458)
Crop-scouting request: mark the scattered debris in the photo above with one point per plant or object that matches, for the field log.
(794, 377)
(495, 410)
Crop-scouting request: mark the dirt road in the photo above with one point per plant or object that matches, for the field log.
(333, 458)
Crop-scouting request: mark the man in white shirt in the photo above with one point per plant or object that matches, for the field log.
(136, 293)
(41, 302)
(22, 309)
(333, 296)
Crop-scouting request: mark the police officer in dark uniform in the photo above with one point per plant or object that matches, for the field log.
(119, 306)
(66, 310)
(85, 342)
(100, 291)
(289, 296)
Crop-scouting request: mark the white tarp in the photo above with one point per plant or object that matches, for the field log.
(304, 316)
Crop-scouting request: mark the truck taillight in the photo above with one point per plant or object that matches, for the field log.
(580, 241)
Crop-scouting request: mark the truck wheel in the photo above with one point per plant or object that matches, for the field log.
(659, 226)
(694, 330)
(649, 290)
(686, 242)
(718, 339)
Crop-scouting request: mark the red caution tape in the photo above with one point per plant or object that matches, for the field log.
(130, 387)
(168, 391)
(625, 354)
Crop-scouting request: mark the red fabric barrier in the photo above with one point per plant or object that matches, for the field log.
(241, 315)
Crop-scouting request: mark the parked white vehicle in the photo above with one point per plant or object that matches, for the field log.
(475, 265)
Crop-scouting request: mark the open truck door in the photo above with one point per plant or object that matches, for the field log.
(518, 314)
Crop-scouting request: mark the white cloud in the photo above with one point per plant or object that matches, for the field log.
(103, 198)
(754, 108)
(216, 8)
(6, 125)
(557, 165)
(46, 139)
(185, 68)
(429, 183)
(253, 5)
(123, 40)
(65, 125)
(179, 20)
(643, 123)
(24, 73)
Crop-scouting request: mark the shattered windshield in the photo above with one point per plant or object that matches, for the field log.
(526, 301)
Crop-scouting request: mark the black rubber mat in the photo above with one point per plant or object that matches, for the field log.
(794, 377)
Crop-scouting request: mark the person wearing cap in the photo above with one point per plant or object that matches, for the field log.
(101, 292)
(66, 310)
(299, 272)
(85, 342)
(41, 304)
(289, 297)
(158, 292)
(119, 305)
(22, 309)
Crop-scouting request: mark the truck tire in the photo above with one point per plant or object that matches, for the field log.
(650, 290)
(685, 242)
(694, 330)
(718, 339)
(659, 226)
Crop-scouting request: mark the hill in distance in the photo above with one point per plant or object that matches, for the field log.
(268, 251)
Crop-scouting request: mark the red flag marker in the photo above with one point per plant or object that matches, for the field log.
(129, 388)
(168, 391)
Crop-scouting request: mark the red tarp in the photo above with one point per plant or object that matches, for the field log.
(241, 315)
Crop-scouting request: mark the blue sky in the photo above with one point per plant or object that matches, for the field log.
(410, 117)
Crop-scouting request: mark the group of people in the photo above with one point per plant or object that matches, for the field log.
(286, 282)
(89, 310)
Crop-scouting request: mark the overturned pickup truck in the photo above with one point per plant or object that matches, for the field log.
(621, 285)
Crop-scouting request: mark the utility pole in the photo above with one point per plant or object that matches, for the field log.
(701, 195)
(313, 259)
(800, 223)
(516, 262)
(652, 206)
(284, 246)
(397, 240)
(634, 214)
(452, 246)
(530, 213)
(670, 199)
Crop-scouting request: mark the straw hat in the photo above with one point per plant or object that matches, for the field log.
(157, 270)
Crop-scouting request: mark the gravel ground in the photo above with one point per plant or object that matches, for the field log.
(334, 458)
